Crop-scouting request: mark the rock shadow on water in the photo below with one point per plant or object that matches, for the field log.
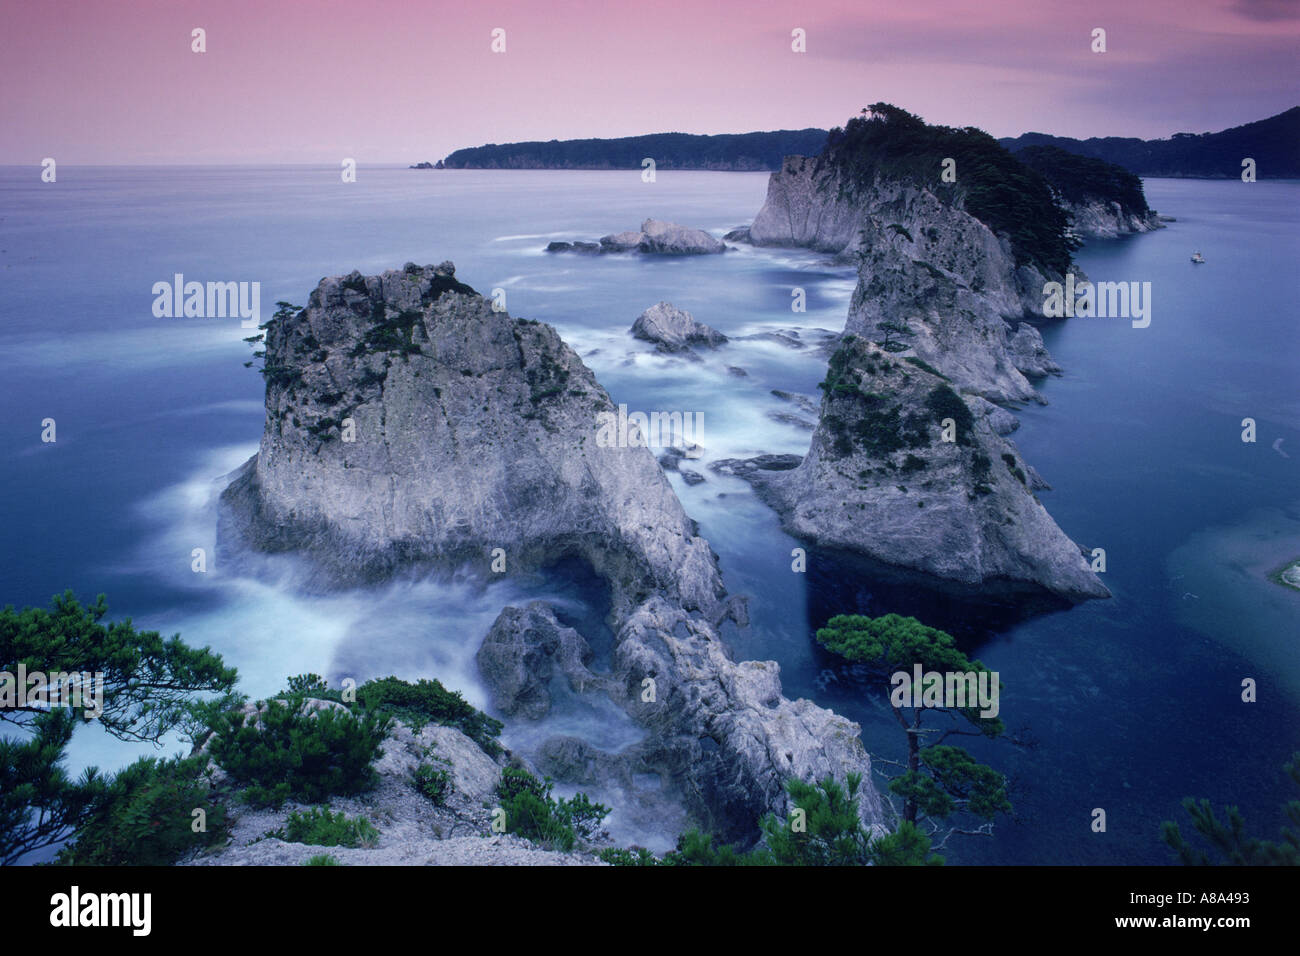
(841, 582)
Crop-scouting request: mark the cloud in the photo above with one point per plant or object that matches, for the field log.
(1268, 11)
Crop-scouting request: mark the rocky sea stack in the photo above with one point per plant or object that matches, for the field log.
(903, 469)
(410, 425)
(470, 430)
(953, 239)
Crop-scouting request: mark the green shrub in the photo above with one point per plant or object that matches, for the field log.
(427, 701)
(925, 366)
(993, 186)
(415, 705)
(943, 402)
(433, 782)
(532, 813)
(321, 859)
(632, 856)
(320, 827)
(285, 753)
(696, 848)
(1010, 461)
(146, 816)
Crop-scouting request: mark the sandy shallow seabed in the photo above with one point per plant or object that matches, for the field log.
(1220, 583)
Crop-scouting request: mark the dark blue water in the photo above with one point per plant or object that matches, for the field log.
(1133, 702)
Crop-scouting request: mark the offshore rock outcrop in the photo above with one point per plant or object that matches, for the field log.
(673, 329)
(879, 479)
(410, 424)
(653, 238)
(924, 264)
(934, 332)
(472, 431)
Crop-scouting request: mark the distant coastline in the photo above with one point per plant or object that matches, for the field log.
(1271, 143)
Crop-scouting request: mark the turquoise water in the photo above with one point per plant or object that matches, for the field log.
(1133, 702)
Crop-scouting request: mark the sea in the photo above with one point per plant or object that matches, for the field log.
(1125, 706)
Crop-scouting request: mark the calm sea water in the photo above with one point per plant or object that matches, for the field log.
(1131, 703)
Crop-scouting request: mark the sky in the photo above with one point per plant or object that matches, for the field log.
(382, 81)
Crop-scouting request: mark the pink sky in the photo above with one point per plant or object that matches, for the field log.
(311, 81)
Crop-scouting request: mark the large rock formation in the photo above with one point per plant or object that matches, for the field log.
(924, 264)
(721, 735)
(880, 479)
(408, 423)
(928, 337)
(722, 730)
(472, 431)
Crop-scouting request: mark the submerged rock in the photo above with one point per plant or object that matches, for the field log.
(587, 247)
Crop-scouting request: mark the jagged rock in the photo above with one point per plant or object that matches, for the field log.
(691, 477)
(879, 480)
(786, 418)
(621, 242)
(673, 329)
(673, 454)
(737, 371)
(525, 648)
(573, 760)
(789, 339)
(1108, 220)
(473, 431)
(1029, 354)
(1000, 420)
(721, 731)
(923, 263)
(738, 235)
(1038, 483)
(805, 403)
(798, 212)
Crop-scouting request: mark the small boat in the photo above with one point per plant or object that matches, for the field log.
(1197, 257)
